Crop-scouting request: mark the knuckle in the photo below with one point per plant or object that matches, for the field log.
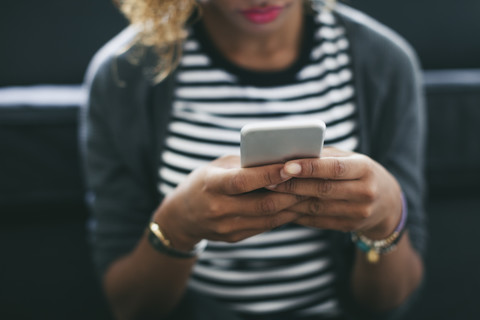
(290, 186)
(370, 191)
(338, 168)
(315, 206)
(269, 178)
(214, 210)
(311, 168)
(206, 187)
(238, 183)
(365, 212)
(267, 205)
(220, 206)
(324, 187)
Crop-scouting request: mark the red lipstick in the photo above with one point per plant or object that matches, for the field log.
(262, 15)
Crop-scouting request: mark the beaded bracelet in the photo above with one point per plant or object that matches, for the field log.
(374, 248)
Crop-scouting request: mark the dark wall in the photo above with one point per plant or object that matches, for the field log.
(52, 41)
(444, 33)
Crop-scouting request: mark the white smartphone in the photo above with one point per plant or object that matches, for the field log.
(271, 142)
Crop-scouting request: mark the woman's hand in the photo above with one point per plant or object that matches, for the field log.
(346, 191)
(224, 202)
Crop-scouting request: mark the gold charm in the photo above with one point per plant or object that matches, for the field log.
(373, 256)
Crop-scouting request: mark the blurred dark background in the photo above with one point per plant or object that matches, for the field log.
(52, 41)
(444, 33)
(45, 268)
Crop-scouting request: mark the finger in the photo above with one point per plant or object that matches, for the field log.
(328, 223)
(334, 152)
(352, 190)
(227, 161)
(239, 227)
(332, 208)
(235, 237)
(263, 203)
(336, 168)
(242, 180)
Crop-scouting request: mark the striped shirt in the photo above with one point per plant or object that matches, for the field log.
(288, 270)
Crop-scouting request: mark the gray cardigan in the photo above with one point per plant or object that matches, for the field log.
(125, 121)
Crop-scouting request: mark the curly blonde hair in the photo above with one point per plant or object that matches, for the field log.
(162, 25)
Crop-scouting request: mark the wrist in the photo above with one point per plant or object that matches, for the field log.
(160, 243)
(374, 247)
(391, 222)
(166, 217)
(383, 229)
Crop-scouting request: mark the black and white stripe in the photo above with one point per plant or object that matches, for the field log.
(289, 269)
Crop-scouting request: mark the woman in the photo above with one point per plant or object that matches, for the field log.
(335, 237)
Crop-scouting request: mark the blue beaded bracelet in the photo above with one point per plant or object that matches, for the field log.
(374, 248)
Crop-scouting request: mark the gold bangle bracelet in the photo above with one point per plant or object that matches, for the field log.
(160, 243)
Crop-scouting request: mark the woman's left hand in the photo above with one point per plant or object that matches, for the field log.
(347, 192)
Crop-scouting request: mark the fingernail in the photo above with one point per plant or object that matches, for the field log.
(273, 186)
(293, 168)
(284, 175)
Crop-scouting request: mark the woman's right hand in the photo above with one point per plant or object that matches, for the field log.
(224, 202)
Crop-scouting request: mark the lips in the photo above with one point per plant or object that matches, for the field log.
(262, 15)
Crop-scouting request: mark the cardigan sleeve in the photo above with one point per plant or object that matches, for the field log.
(392, 131)
(392, 115)
(119, 198)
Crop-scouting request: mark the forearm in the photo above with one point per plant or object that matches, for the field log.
(387, 284)
(146, 284)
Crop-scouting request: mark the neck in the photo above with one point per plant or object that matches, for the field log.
(263, 51)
